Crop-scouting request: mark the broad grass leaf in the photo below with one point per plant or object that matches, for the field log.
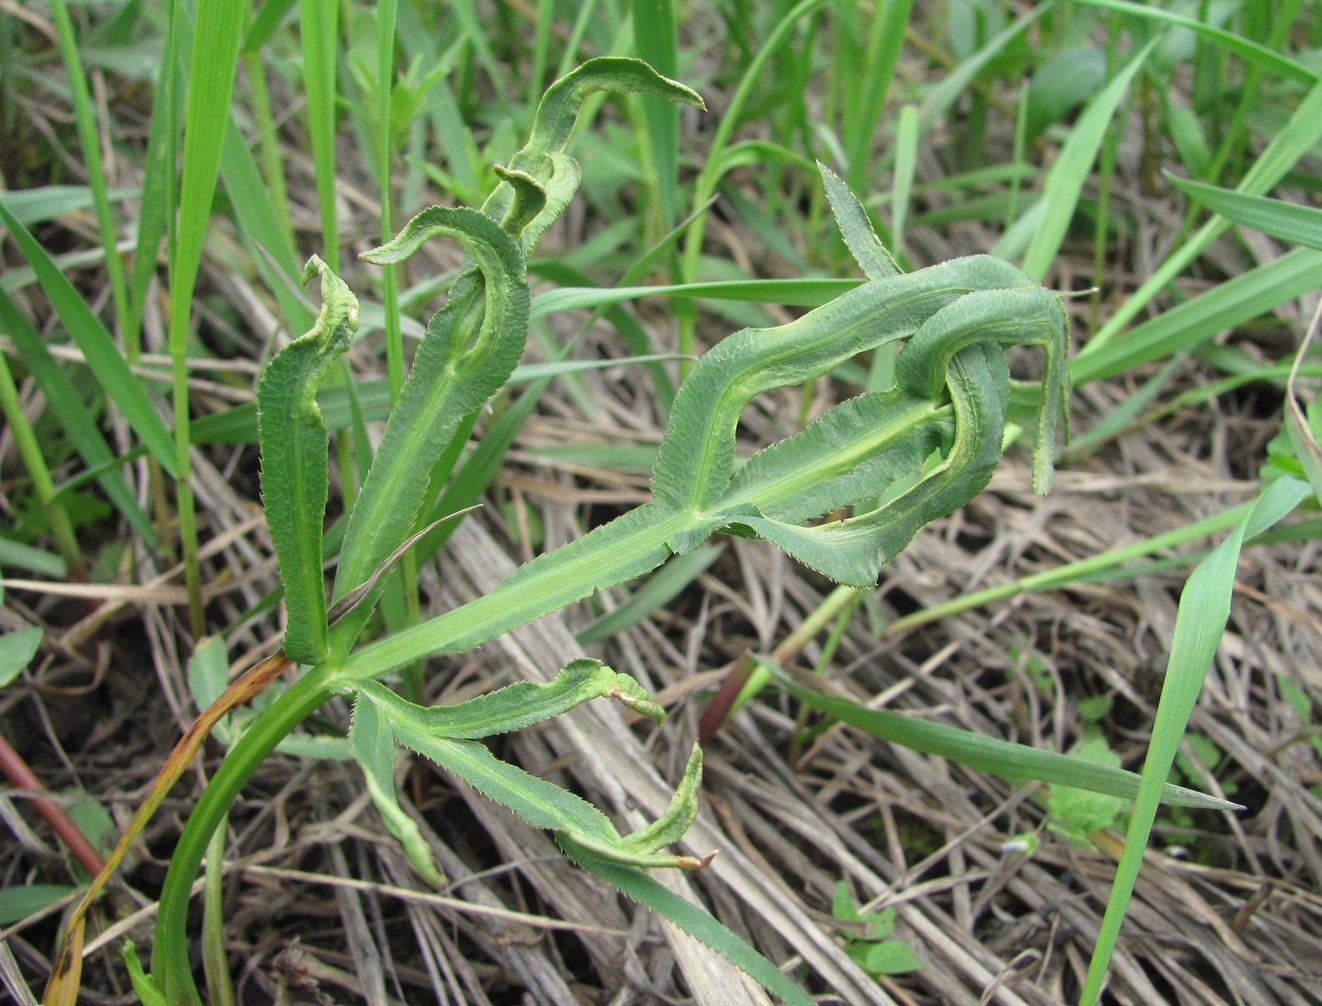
(75, 419)
(1071, 170)
(1233, 302)
(1200, 622)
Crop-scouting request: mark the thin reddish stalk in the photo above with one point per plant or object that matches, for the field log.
(69, 833)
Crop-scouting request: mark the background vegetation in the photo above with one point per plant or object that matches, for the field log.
(1084, 141)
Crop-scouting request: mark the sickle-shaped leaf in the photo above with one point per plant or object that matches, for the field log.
(557, 117)
(853, 551)
(696, 458)
(295, 471)
(1030, 316)
(471, 347)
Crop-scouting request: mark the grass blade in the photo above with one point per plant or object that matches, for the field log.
(654, 38)
(1296, 139)
(1246, 49)
(98, 347)
(39, 472)
(1237, 300)
(1203, 611)
(1049, 219)
(79, 425)
(317, 35)
(91, 145)
(986, 754)
(885, 42)
(1291, 222)
(212, 62)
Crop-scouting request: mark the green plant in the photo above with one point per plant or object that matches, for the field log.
(871, 949)
(472, 347)
(939, 430)
(1079, 813)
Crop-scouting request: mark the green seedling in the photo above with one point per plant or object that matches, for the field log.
(1079, 813)
(866, 940)
(938, 431)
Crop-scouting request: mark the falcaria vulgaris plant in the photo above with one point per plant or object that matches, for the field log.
(940, 428)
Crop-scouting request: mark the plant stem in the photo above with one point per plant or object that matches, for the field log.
(170, 959)
(18, 772)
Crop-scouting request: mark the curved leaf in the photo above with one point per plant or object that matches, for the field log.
(696, 458)
(557, 117)
(471, 347)
(295, 471)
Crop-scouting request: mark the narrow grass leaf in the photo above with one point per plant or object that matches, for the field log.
(693, 920)
(660, 589)
(1291, 222)
(98, 347)
(78, 423)
(956, 83)
(885, 43)
(30, 206)
(18, 555)
(1017, 762)
(1072, 169)
(269, 17)
(1293, 141)
(1110, 565)
(906, 164)
(318, 29)
(654, 39)
(90, 140)
(213, 58)
(705, 187)
(34, 460)
(1246, 49)
(1233, 302)
(1199, 623)
(787, 292)
(260, 222)
(156, 207)
(1302, 433)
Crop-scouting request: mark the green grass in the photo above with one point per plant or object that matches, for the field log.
(1057, 134)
